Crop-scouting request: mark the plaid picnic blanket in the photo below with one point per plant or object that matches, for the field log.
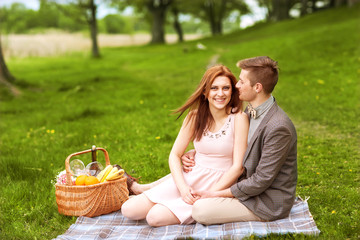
(114, 226)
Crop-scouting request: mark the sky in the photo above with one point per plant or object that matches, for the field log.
(246, 20)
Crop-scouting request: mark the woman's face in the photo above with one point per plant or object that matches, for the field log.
(220, 93)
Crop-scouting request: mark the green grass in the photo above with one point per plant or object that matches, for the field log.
(123, 102)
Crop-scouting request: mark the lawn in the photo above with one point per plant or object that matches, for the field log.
(123, 102)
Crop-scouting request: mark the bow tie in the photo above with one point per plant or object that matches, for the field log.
(252, 112)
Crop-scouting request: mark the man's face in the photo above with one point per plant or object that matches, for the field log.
(246, 91)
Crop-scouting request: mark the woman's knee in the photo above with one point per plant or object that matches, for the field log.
(153, 219)
(136, 208)
(128, 210)
(160, 215)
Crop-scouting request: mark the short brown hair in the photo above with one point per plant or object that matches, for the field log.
(262, 70)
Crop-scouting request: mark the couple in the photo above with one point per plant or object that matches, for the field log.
(244, 166)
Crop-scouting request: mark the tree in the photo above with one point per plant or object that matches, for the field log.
(6, 78)
(214, 11)
(83, 11)
(158, 9)
(277, 9)
(4, 71)
(176, 24)
(155, 11)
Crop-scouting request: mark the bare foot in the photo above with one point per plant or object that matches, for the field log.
(137, 188)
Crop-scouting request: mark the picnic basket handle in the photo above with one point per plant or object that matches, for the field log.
(67, 161)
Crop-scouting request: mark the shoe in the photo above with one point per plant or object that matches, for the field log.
(129, 180)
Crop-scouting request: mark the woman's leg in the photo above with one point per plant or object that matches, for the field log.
(138, 188)
(159, 215)
(137, 207)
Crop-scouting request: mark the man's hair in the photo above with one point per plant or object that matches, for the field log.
(262, 70)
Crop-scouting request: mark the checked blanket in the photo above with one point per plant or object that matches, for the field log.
(114, 226)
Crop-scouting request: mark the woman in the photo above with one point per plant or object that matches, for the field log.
(218, 129)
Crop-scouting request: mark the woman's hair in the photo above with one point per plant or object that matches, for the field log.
(198, 104)
(262, 70)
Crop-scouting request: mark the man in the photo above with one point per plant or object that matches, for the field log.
(266, 189)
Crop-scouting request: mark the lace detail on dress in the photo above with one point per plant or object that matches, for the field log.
(219, 133)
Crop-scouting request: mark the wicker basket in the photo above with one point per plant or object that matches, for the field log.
(91, 200)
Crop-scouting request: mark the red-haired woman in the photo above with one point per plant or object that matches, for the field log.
(218, 128)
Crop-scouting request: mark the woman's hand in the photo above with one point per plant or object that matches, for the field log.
(188, 196)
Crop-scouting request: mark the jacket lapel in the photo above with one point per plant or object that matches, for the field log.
(263, 123)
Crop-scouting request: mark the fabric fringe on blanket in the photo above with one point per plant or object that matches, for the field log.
(114, 226)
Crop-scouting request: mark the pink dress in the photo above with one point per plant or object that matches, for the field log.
(214, 153)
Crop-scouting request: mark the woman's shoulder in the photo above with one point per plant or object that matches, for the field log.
(241, 118)
(241, 115)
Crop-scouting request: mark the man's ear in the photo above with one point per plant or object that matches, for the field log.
(258, 87)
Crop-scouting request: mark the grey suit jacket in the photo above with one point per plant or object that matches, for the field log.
(268, 189)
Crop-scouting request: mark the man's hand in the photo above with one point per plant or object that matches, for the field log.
(212, 194)
(188, 160)
(204, 194)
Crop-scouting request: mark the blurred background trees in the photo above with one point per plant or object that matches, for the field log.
(156, 17)
(152, 16)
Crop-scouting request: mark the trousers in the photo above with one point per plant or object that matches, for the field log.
(221, 210)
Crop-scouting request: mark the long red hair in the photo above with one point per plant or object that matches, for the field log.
(198, 104)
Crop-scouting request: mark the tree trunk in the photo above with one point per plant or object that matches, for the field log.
(177, 25)
(4, 71)
(351, 3)
(281, 9)
(304, 6)
(214, 19)
(158, 10)
(314, 8)
(6, 78)
(157, 30)
(93, 30)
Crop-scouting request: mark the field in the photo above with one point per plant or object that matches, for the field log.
(55, 43)
(123, 102)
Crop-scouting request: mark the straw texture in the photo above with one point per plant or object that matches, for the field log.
(90, 200)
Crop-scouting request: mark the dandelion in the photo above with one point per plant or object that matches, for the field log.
(319, 81)
(333, 211)
(141, 101)
(350, 170)
(158, 137)
(52, 131)
(94, 136)
(48, 130)
(318, 173)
